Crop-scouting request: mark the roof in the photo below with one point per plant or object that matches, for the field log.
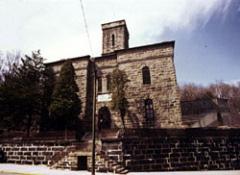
(113, 54)
(114, 24)
(68, 59)
(165, 43)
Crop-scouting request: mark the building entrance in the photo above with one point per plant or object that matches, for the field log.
(104, 118)
(82, 163)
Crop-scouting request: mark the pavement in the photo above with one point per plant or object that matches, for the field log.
(13, 169)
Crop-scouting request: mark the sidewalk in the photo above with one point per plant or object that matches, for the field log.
(44, 170)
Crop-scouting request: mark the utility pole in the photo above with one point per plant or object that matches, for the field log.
(94, 117)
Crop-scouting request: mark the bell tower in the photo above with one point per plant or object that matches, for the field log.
(114, 36)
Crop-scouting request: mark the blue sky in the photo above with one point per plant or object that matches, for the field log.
(206, 31)
(210, 53)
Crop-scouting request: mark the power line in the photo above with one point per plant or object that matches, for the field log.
(94, 95)
(86, 26)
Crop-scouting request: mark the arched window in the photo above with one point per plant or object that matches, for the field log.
(113, 40)
(108, 82)
(146, 75)
(149, 112)
(99, 84)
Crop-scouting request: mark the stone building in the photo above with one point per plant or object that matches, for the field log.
(208, 112)
(154, 107)
(152, 88)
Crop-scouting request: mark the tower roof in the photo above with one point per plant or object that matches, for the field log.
(114, 24)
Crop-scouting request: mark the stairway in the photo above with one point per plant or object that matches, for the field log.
(68, 158)
(62, 160)
(110, 158)
(108, 164)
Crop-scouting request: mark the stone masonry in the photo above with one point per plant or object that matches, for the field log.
(143, 150)
(31, 153)
(153, 138)
(181, 149)
(114, 32)
(159, 98)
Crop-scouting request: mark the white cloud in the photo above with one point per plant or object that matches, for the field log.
(235, 82)
(56, 26)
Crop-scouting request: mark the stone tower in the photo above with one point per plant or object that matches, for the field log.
(115, 36)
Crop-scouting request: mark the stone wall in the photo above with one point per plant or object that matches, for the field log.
(31, 153)
(107, 64)
(182, 149)
(162, 90)
(144, 150)
(119, 31)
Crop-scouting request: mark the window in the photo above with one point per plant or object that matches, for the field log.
(108, 82)
(219, 118)
(113, 40)
(149, 112)
(99, 84)
(146, 75)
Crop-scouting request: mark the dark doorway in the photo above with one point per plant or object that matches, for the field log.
(104, 118)
(82, 163)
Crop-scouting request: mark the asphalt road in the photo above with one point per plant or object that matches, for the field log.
(44, 170)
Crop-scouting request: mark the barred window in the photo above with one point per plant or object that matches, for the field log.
(149, 112)
(146, 75)
(100, 84)
(113, 40)
(108, 82)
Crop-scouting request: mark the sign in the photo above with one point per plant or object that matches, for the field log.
(104, 97)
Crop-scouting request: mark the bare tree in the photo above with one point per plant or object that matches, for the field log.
(8, 61)
(193, 91)
(216, 90)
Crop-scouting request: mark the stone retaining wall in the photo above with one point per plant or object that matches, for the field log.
(148, 150)
(31, 153)
(182, 149)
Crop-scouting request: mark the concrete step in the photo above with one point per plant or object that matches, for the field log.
(123, 172)
(120, 169)
(102, 169)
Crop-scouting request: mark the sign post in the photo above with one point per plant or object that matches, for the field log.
(94, 117)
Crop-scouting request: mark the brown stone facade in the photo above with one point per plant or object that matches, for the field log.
(115, 36)
(138, 150)
(154, 104)
(31, 153)
(181, 149)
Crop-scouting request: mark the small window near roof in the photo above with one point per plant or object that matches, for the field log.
(108, 82)
(113, 40)
(99, 84)
(146, 75)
